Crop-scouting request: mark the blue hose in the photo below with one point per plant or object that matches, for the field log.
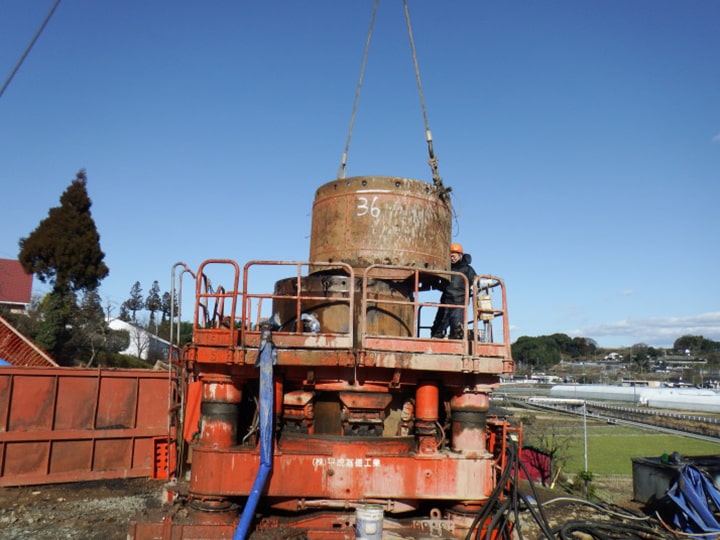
(266, 360)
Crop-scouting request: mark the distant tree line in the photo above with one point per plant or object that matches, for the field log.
(164, 304)
(543, 352)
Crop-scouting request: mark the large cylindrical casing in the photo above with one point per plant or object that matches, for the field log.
(367, 220)
(385, 317)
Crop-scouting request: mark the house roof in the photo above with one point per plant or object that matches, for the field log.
(15, 284)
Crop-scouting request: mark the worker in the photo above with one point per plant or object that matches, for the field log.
(454, 293)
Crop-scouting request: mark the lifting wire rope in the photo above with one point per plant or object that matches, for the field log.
(30, 46)
(432, 159)
(343, 161)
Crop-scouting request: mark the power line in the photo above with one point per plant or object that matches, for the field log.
(30, 46)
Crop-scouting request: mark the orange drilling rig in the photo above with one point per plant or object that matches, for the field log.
(325, 409)
(328, 397)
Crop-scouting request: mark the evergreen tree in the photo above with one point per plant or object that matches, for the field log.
(124, 313)
(90, 331)
(165, 307)
(135, 303)
(153, 303)
(64, 249)
(170, 307)
(54, 332)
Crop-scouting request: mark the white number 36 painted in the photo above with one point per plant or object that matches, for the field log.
(366, 207)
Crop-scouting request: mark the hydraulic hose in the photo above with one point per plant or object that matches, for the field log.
(266, 360)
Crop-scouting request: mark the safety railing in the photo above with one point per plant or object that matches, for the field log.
(489, 313)
(296, 314)
(215, 322)
(479, 336)
(411, 308)
(309, 311)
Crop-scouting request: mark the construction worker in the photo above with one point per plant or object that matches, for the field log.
(454, 293)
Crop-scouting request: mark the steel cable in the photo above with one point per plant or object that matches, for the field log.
(343, 161)
(433, 160)
(30, 46)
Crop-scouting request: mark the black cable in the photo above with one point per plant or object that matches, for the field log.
(489, 504)
(541, 518)
(30, 46)
(499, 517)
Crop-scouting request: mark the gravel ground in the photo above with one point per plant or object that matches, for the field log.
(102, 510)
(84, 511)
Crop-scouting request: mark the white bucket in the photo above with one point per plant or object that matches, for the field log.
(369, 522)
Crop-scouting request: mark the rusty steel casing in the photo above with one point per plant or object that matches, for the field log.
(326, 298)
(366, 220)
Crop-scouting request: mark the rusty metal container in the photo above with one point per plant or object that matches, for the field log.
(367, 220)
(326, 299)
(72, 424)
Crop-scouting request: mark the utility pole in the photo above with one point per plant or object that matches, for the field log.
(585, 436)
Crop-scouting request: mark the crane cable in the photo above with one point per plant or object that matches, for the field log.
(30, 46)
(343, 163)
(433, 160)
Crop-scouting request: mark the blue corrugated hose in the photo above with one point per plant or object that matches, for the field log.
(266, 360)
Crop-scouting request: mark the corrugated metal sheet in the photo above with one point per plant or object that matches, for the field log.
(19, 350)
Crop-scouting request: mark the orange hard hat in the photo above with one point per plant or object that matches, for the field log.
(456, 248)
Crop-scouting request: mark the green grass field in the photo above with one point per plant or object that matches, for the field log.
(611, 447)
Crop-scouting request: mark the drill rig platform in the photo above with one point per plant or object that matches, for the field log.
(300, 408)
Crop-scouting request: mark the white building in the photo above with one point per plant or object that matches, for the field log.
(142, 342)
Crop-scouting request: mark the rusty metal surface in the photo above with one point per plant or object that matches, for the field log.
(330, 300)
(356, 469)
(66, 424)
(20, 350)
(367, 220)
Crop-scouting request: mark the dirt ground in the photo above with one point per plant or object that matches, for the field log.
(83, 511)
(102, 510)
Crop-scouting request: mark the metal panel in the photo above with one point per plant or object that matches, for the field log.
(66, 424)
(19, 350)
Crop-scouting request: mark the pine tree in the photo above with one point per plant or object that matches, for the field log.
(54, 333)
(90, 331)
(165, 307)
(124, 313)
(64, 249)
(135, 303)
(153, 303)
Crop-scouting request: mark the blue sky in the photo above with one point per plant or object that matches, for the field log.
(581, 140)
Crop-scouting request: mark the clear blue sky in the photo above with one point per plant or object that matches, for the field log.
(581, 140)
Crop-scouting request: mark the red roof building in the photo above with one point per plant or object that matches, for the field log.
(15, 285)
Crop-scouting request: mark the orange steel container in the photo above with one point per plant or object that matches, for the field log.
(72, 424)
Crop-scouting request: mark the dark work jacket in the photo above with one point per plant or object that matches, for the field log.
(454, 292)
